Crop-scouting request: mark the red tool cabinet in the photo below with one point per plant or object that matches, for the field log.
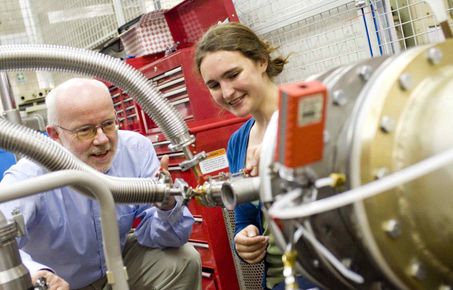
(212, 127)
(178, 81)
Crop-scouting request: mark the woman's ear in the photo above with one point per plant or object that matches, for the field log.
(262, 65)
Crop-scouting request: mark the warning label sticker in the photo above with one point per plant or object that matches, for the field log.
(310, 110)
(216, 160)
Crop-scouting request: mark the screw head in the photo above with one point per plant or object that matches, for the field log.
(392, 227)
(339, 98)
(417, 270)
(387, 124)
(406, 82)
(365, 72)
(434, 55)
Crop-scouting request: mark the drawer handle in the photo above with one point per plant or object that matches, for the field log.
(199, 245)
(206, 274)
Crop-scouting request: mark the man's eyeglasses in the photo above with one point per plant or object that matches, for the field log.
(90, 131)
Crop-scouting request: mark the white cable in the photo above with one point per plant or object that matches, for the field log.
(323, 182)
(404, 175)
(287, 198)
(351, 275)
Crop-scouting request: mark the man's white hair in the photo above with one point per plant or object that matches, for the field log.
(61, 89)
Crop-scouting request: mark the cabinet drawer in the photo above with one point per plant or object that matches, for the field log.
(199, 230)
(207, 258)
(208, 281)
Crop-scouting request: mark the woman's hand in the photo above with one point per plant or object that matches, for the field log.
(253, 161)
(251, 246)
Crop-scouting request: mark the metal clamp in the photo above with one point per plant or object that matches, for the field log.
(18, 219)
(187, 164)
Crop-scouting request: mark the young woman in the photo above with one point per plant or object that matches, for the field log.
(237, 67)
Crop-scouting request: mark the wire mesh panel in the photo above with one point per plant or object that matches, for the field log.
(401, 24)
(78, 23)
(12, 28)
(320, 34)
(81, 23)
(161, 4)
(249, 276)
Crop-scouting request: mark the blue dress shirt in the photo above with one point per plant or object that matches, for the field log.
(64, 228)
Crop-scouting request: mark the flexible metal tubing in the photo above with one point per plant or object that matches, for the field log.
(86, 62)
(93, 187)
(54, 157)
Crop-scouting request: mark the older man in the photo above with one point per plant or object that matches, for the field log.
(63, 239)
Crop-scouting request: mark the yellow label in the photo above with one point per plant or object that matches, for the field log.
(217, 160)
(216, 153)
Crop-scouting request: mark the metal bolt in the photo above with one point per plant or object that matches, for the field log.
(381, 172)
(406, 81)
(392, 227)
(365, 72)
(417, 270)
(315, 263)
(339, 98)
(434, 55)
(326, 136)
(387, 124)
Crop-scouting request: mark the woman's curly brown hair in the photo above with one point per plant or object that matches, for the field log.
(238, 37)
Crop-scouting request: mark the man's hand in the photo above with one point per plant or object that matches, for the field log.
(171, 201)
(250, 246)
(54, 282)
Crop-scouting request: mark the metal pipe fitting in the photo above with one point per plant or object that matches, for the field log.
(14, 275)
(239, 191)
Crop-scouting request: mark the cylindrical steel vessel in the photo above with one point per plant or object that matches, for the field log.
(383, 115)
